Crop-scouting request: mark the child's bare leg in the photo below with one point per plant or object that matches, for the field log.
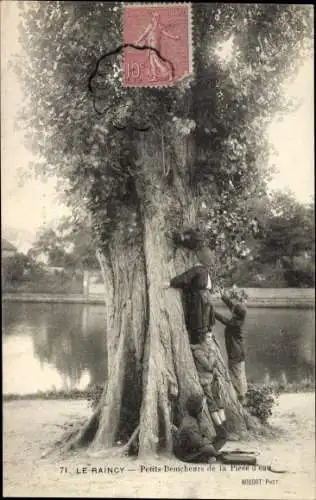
(222, 415)
(216, 417)
(239, 380)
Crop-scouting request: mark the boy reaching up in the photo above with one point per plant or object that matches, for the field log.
(234, 340)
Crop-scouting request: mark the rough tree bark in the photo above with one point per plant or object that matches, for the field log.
(151, 367)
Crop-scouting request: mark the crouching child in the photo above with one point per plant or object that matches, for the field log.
(190, 444)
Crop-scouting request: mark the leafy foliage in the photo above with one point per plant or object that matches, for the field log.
(290, 239)
(284, 254)
(260, 401)
(208, 132)
(237, 295)
(19, 268)
(24, 273)
(69, 245)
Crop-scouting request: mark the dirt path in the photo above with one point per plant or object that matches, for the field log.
(30, 426)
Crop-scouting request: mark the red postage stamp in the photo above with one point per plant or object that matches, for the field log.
(158, 41)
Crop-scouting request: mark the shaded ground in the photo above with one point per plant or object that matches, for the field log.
(30, 426)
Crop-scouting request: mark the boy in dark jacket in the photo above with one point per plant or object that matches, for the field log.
(200, 318)
(199, 311)
(190, 443)
(234, 339)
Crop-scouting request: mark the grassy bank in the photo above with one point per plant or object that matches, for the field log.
(306, 385)
(51, 395)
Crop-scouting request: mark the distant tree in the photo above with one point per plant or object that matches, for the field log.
(18, 268)
(48, 245)
(69, 245)
(283, 253)
(289, 240)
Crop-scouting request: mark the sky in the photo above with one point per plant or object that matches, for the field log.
(27, 206)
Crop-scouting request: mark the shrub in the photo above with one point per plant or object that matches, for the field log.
(260, 401)
(237, 294)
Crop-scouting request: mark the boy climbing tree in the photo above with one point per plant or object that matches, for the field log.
(196, 284)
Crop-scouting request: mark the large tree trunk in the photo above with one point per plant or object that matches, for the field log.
(151, 368)
(168, 363)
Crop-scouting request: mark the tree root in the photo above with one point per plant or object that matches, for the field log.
(131, 440)
(64, 443)
(117, 451)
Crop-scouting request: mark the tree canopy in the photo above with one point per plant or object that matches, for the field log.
(218, 118)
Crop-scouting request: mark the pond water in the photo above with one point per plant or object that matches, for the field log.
(63, 346)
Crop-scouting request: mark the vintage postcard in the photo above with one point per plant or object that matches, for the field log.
(158, 250)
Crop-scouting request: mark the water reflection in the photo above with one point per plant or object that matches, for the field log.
(280, 344)
(56, 345)
(25, 373)
(63, 345)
